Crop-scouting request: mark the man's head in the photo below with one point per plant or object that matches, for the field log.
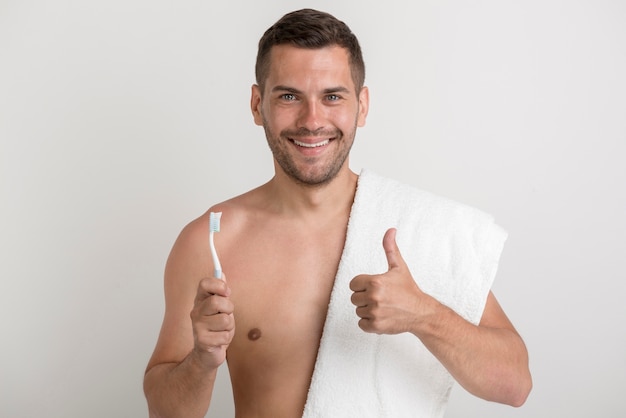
(309, 97)
(310, 29)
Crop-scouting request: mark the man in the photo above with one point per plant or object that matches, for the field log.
(280, 247)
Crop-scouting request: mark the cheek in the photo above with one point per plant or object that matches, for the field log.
(345, 120)
(282, 118)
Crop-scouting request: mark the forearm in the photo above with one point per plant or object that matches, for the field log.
(489, 362)
(179, 389)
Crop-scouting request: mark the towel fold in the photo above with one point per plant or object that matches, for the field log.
(452, 251)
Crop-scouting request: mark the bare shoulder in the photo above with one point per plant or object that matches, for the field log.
(190, 255)
(238, 214)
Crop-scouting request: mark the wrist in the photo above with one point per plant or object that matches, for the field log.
(428, 317)
(202, 361)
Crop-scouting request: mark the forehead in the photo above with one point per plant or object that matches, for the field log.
(290, 64)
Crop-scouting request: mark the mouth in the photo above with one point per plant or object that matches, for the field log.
(311, 144)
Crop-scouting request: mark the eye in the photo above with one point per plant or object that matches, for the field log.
(289, 97)
(333, 97)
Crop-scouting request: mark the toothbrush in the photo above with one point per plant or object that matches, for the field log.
(214, 226)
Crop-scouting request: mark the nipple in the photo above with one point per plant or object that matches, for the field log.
(254, 334)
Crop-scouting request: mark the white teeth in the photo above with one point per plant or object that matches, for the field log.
(317, 144)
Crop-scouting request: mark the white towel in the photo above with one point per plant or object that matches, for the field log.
(452, 251)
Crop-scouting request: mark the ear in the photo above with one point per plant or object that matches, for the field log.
(364, 105)
(255, 104)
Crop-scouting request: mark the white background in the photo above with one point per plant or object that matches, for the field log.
(120, 121)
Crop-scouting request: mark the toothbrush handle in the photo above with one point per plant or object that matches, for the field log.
(217, 272)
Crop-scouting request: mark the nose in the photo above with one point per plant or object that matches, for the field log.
(311, 116)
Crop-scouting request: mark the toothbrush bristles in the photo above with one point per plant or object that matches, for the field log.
(214, 226)
(214, 221)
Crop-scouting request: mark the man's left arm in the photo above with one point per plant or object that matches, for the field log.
(489, 360)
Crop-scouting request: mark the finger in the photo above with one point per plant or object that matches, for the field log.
(394, 258)
(214, 323)
(358, 299)
(219, 339)
(212, 340)
(359, 283)
(214, 304)
(367, 325)
(363, 312)
(218, 323)
(211, 286)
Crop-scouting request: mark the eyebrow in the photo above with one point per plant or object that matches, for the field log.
(287, 89)
(293, 90)
(336, 90)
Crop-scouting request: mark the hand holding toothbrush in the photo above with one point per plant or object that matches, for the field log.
(213, 321)
(212, 314)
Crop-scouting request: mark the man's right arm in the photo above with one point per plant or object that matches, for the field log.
(197, 328)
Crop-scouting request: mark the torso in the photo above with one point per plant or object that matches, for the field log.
(281, 271)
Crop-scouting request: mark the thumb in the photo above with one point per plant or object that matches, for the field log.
(394, 258)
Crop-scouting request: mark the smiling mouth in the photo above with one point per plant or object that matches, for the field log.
(314, 145)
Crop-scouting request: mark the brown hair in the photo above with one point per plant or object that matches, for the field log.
(311, 29)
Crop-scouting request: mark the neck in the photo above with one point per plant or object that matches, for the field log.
(292, 197)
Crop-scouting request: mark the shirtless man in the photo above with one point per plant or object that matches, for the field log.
(280, 246)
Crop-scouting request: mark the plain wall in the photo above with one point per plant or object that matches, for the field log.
(121, 121)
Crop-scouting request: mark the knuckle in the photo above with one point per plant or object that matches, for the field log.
(363, 324)
(222, 322)
(203, 285)
(353, 299)
(375, 326)
(219, 338)
(377, 282)
(194, 314)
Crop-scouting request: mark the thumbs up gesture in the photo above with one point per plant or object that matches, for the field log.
(388, 303)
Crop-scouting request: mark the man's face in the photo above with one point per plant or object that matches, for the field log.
(310, 111)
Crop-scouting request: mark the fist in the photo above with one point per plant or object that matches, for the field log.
(387, 303)
(212, 320)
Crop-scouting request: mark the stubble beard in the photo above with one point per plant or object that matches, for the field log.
(310, 178)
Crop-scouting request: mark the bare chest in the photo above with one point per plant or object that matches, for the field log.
(280, 288)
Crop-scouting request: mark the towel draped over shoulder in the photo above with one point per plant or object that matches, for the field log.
(452, 251)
